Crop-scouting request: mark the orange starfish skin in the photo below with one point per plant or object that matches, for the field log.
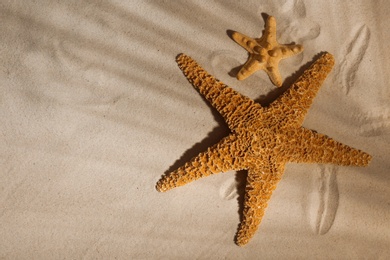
(262, 139)
(265, 53)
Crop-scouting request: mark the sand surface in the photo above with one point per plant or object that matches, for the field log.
(93, 110)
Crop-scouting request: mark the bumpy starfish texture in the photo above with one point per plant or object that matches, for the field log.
(262, 139)
(265, 52)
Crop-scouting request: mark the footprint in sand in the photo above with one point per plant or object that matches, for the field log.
(352, 56)
(228, 189)
(233, 187)
(323, 199)
(292, 21)
(375, 123)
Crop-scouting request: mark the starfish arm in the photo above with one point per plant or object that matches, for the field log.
(230, 104)
(252, 65)
(245, 42)
(312, 147)
(293, 105)
(269, 33)
(284, 51)
(261, 182)
(224, 156)
(274, 75)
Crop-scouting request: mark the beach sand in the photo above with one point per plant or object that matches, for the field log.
(94, 110)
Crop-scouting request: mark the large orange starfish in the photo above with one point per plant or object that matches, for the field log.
(262, 139)
(265, 52)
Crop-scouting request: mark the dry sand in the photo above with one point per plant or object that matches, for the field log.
(94, 110)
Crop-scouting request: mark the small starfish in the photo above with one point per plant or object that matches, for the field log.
(262, 139)
(265, 52)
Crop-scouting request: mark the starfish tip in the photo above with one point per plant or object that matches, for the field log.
(241, 242)
(297, 48)
(329, 57)
(242, 75)
(180, 57)
(367, 159)
(271, 19)
(236, 36)
(278, 83)
(159, 187)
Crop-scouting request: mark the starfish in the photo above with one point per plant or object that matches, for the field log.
(262, 139)
(265, 52)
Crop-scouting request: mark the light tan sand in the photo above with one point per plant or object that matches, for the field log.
(94, 110)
